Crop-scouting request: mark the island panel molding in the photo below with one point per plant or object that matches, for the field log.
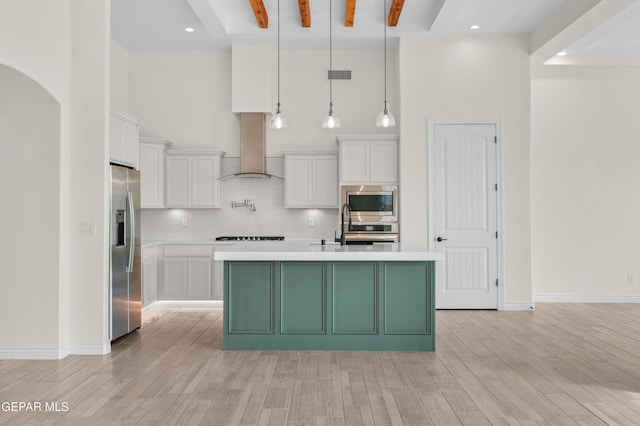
(355, 298)
(303, 298)
(249, 304)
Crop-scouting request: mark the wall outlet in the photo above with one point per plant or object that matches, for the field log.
(86, 229)
(184, 221)
(631, 279)
(311, 221)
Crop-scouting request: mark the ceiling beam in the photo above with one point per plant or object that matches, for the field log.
(394, 12)
(262, 17)
(349, 13)
(305, 13)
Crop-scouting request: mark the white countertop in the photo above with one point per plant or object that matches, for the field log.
(186, 242)
(313, 250)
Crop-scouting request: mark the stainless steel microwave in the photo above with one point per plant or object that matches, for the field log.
(371, 203)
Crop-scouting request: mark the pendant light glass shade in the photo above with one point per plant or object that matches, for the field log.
(385, 119)
(278, 120)
(330, 121)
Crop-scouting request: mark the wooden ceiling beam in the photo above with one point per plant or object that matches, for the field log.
(262, 17)
(394, 12)
(349, 13)
(305, 13)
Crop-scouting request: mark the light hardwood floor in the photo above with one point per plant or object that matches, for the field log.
(564, 364)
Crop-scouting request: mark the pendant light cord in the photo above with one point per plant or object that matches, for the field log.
(278, 106)
(330, 61)
(384, 18)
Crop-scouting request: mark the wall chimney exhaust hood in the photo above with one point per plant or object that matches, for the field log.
(252, 147)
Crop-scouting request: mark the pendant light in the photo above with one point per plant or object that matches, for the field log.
(385, 119)
(330, 121)
(278, 120)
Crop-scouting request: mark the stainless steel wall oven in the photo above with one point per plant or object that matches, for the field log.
(373, 213)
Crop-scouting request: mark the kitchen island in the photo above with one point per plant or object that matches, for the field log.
(302, 295)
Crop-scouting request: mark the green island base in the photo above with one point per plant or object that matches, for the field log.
(320, 305)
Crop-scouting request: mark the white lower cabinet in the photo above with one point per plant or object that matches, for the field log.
(149, 275)
(187, 272)
(199, 278)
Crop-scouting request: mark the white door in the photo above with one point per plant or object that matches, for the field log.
(465, 222)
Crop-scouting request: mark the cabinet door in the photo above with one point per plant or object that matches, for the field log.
(325, 181)
(174, 283)
(130, 149)
(298, 181)
(178, 181)
(123, 142)
(303, 298)
(198, 278)
(217, 284)
(151, 176)
(115, 140)
(150, 281)
(354, 161)
(383, 160)
(204, 181)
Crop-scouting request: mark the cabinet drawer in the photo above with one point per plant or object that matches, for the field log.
(187, 250)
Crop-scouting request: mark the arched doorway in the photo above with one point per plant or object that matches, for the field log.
(30, 123)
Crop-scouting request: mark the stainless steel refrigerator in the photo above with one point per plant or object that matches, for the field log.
(125, 292)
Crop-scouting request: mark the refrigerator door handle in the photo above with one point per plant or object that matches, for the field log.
(132, 233)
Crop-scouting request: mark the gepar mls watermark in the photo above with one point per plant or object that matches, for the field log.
(34, 406)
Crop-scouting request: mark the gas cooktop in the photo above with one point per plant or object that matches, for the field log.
(250, 238)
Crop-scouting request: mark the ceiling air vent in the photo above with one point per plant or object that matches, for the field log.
(339, 75)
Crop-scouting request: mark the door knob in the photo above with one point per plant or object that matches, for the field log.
(440, 239)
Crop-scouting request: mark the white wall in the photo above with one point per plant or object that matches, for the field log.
(30, 212)
(55, 292)
(178, 94)
(37, 55)
(119, 76)
(479, 77)
(585, 183)
(88, 290)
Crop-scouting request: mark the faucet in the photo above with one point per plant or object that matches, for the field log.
(346, 207)
(247, 203)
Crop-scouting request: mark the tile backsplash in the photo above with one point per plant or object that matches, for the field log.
(269, 218)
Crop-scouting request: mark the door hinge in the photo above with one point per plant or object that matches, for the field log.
(496, 282)
(495, 139)
(496, 186)
(496, 234)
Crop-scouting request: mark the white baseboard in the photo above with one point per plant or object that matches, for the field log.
(97, 349)
(587, 298)
(52, 352)
(518, 307)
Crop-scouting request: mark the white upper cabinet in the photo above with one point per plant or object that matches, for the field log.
(192, 179)
(123, 138)
(152, 161)
(311, 180)
(251, 78)
(368, 159)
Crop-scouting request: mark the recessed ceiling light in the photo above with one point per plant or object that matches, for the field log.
(189, 29)
(474, 27)
(562, 53)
